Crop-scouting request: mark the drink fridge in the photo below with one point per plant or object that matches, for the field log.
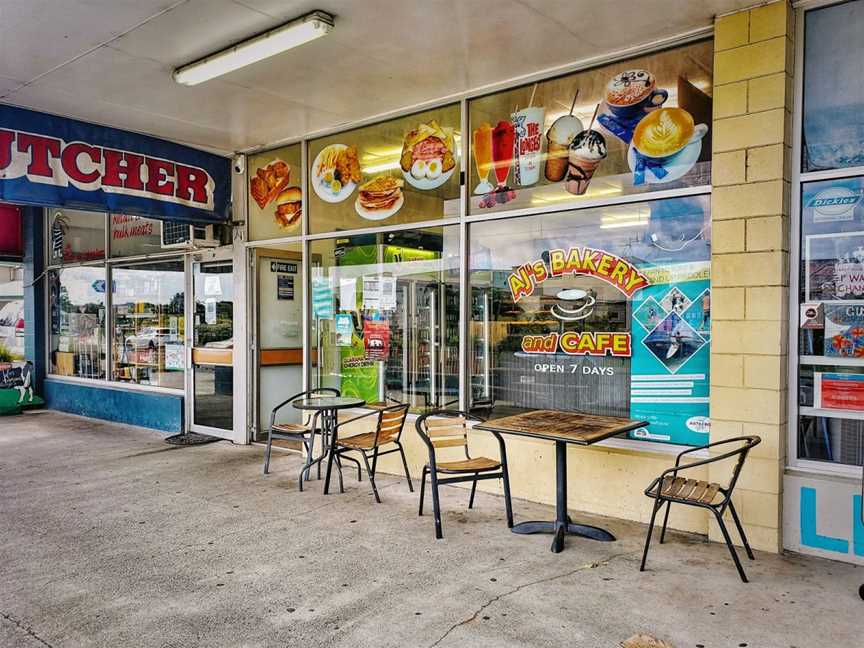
(423, 365)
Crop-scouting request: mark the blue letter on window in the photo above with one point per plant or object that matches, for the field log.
(809, 536)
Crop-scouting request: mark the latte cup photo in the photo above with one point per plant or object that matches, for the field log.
(665, 132)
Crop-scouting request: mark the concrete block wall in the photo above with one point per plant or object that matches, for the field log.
(753, 64)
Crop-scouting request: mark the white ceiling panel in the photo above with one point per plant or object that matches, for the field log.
(38, 35)
(383, 55)
(193, 30)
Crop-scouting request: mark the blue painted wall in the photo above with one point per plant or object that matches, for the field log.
(158, 411)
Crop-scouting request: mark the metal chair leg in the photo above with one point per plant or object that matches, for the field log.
(436, 505)
(422, 489)
(339, 472)
(371, 477)
(375, 460)
(657, 505)
(267, 452)
(473, 490)
(729, 545)
(741, 531)
(329, 470)
(404, 465)
(665, 522)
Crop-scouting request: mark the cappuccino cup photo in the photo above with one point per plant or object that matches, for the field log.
(631, 93)
(665, 132)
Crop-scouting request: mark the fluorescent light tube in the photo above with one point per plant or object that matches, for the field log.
(290, 35)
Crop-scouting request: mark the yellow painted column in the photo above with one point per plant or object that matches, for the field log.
(750, 256)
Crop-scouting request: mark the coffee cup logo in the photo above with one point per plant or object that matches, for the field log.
(574, 305)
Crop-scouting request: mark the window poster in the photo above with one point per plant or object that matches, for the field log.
(833, 93)
(275, 196)
(399, 171)
(344, 329)
(630, 127)
(671, 324)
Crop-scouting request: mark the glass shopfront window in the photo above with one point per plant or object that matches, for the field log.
(604, 310)
(385, 314)
(405, 170)
(636, 126)
(77, 316)
(148, 324)
(75, 236)
(146, 321)
(833, 93)
(275, 195)
(830, 394)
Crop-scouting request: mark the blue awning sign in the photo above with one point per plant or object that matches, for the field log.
(55, 161)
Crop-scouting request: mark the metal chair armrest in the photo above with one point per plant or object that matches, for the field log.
(357, 418)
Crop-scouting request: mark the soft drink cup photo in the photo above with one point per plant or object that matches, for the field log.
(528, 127)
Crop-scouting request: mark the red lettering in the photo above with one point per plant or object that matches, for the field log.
(160, 177)
(42, 149)
(6, 139)
(123, 170)
(69, 159)
(192, 184)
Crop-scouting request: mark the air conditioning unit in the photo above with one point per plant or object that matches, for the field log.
(184, 236)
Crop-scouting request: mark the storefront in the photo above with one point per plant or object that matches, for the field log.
(105, 208)
(541, 245)
(613, 238)
(670, 234)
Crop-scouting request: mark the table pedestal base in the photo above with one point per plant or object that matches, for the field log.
(562, 525)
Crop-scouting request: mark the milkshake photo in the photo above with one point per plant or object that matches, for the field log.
(558, 140)
(587, 151)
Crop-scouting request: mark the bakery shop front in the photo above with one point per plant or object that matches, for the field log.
(545, 245)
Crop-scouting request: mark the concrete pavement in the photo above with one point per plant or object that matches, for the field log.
(110, 537)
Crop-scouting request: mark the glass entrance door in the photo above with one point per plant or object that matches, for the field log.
(213, 348)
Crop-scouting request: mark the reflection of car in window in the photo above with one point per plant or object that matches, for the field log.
(12, 327)
(151, 337)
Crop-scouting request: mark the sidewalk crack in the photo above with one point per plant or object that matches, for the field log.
(24, 628)
(518, 588)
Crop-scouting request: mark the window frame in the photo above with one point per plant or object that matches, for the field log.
(798, 179)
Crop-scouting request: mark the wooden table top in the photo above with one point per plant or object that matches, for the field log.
(570, 427)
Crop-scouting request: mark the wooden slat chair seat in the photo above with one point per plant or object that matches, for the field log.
(287, 428)
(446, 431)
(388, 420)
(689, 490)
(671, 487)
(468, 465)
(303, 432)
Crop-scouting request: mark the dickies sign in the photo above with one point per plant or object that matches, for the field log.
(54, 161)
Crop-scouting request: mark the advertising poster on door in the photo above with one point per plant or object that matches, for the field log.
(671, 329)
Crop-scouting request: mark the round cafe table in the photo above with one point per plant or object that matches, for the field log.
(328, 408)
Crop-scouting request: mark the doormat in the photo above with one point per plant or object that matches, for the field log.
(190, 439)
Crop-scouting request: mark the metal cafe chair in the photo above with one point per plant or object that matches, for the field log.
(669, 488)
(304, 432)
(449, 429)
(389, 421)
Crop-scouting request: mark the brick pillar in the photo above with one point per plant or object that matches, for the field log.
(750, 256)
